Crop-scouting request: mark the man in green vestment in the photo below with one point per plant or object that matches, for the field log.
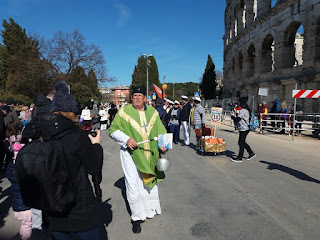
(138, 122)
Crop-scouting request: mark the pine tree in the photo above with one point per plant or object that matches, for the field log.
(2, 68)
(139, 76)
(93, 82)
(23, 71)
(208, 84)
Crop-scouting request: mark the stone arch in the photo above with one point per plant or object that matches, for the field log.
(251, 59)
(290, 45)
(240, 60)
(298, 45)
(267, 54)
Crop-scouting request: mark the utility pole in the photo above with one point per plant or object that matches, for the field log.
(173, 91)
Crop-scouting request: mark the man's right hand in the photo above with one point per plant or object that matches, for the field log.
(132, 144)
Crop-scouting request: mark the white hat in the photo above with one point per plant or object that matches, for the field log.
(184, 97)
(197, 99)
(176, 102)
(169, 101)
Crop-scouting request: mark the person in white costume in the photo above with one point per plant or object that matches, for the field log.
(135, 123)
(103, 118)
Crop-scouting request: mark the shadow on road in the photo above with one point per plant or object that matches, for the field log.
(227, 130)
(105, 218)
(292, 172)
(120, 184)
(5, 204)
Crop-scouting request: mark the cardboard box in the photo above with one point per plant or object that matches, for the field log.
(212, 147)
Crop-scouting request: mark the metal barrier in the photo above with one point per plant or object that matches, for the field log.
(308, 122)
(304, 122)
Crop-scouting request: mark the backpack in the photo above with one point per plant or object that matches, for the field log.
(191, 117)
(44, 177)
(253, 122)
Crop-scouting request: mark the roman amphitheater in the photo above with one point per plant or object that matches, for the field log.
(274, 46)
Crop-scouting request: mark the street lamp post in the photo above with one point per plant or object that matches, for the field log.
(150, 55)
(173, 91)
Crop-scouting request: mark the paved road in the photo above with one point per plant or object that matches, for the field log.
(274, 196)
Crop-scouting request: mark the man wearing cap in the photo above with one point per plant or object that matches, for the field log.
(174, 121)
(199, 117)
(4, 110)
(12, 116)
(185, 113)
(135, 123)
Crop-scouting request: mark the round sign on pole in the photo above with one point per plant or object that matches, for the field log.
(216, 114)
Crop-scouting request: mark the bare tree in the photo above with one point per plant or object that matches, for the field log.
(66, 51)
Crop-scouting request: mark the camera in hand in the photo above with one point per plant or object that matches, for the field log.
(93, 133)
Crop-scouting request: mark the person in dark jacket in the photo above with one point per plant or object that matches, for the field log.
(4, 110)
(40, 110)
(174, 121)
(112, 112)
(162, 112)
(84, 155)
(184, 117)
(12, 116)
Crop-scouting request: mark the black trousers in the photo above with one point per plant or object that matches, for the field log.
(242, 144)
(97, 179)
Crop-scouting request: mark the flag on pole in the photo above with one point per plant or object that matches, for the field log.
(158, 91)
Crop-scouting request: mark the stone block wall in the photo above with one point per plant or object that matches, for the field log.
(268, 51)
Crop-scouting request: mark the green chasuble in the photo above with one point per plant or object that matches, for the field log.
(141, 126)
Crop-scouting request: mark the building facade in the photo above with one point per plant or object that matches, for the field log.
(118, 95)
(275, 45)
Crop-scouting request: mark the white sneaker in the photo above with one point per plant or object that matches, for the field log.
(251, 156)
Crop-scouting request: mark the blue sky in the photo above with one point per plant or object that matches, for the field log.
(179, 33)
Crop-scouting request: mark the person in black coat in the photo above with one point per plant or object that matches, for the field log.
(84, 155)
(161, 111)
(184, 117)
(112, 112)
(174, 121)
(41, 110)
(4, 110)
